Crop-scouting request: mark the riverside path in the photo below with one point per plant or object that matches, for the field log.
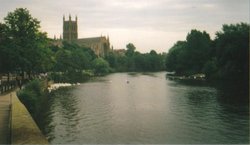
(5, 118)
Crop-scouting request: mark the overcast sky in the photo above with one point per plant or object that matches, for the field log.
(148, 24)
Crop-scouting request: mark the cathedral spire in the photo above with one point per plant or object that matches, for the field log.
(76, 17)
(63, 18)
(69, 17)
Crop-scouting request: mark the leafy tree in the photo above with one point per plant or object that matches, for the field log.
(189, 57)
(3, 35)
(136, 61)
(210, 68)
(224, 58)
(176, 58)
(112, 59)
(70, 45)
(6, 64)
(232, 46)
(155, 61)
(130, 49)
(27, 43)
(130, 57)
(73, 58)
(100, 66)
(89, 52)
(141, 62)
(63, 61)
(122, 63)
(80, 59)
(198, 47)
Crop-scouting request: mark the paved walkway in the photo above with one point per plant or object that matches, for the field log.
(4, 118)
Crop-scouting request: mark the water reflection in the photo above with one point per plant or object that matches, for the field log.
(150, 109)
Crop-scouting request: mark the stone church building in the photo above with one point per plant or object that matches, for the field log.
(100, 45)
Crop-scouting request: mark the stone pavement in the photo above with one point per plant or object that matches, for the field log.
(4, 118)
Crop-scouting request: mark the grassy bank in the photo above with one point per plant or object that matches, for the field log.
(33, 96)
(24, 129)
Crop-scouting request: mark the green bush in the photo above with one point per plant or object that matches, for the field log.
(32, 96)
(100, 66)
(71, 76)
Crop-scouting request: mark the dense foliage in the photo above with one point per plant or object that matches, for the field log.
(72, 63)
(133, 60)
(188, 57)
(25, 49)
(32, 96)
(232, 51)
(100, 66)
(226, 57)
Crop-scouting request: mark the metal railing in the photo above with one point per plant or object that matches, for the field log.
(6, 86)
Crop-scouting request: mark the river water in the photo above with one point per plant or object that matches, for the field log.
(137, 108)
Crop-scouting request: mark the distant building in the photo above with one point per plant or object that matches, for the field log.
(121, 52)
(70, 29)
(100, 45)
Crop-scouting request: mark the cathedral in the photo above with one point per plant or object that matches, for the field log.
(100, 45)
(70, 29)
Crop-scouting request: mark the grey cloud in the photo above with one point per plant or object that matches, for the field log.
(175, 16)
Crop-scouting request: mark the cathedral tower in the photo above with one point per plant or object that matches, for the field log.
(70, 29)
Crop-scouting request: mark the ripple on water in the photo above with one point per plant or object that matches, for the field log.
(150, 109)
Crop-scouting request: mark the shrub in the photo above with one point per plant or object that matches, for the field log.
(32, 96)
(100, 66)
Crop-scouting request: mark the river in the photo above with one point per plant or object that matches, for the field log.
(126, 108)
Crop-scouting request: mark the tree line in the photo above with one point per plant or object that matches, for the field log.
(135, 61)
(224, 58)
(24, 49)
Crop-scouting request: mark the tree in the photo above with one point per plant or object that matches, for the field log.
(176, 58)
(210, 68)
(3, 35)
(28, 45)
(155, 61)
(130, 49)
(100, 66)
(189, 57)
(122, 63)
(80, 59)
(112, 59)
(198, 47)
(130, 57)
(5, 61)
(63, 61)
(232, 46)
(141, 62)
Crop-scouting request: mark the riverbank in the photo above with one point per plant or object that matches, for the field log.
(24, 130)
